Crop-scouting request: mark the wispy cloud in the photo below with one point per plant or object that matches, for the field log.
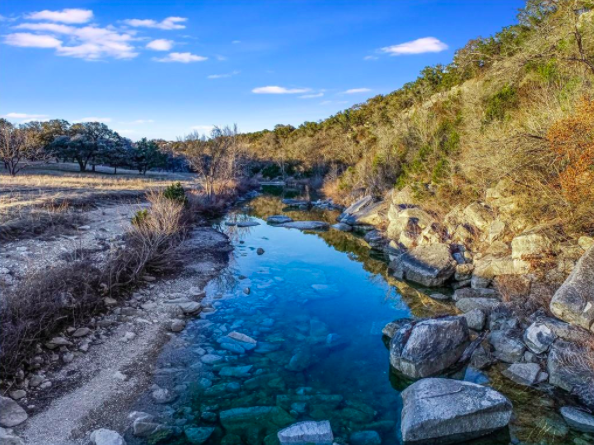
(311, 96)
(418, 46)
(25, 116)
(357, 91)
(235, 42)
(220, 58)
(103, 120)
(160, 45)
(181, 58)
(279, 90)
(87, 42)
(167, 24)
(370, 58)
(63, 16)
(28, 40)
(223, 76)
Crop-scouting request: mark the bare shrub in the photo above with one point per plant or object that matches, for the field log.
(48, 220)
(47, 301)
(44, 303)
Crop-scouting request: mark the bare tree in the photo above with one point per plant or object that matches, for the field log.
(14, 146)
(214, 158)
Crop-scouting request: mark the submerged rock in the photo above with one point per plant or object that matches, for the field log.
(278, 219)
(430, 266)
(304, 433)
(197, 436)
(574, 300)
(255, 417)
(365, 438)
(444, 411)
(428, 347)
(306, 225)
(523, 373)
(11, 413)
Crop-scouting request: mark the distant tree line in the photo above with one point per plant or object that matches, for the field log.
(88, 144)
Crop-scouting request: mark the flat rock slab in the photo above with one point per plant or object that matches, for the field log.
(444, 411)
(430, 266)
(279, 219)
(242, 223)
(306, 433)
(523, 373)
(306, 225)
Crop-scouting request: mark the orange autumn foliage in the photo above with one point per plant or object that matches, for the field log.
(572, 140)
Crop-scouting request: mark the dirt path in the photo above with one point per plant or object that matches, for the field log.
(95, 389)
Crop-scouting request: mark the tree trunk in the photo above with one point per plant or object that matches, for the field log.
(115, 170)
(82, 165)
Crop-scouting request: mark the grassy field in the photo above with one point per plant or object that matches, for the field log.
(51, 184)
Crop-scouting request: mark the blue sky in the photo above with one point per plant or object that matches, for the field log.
(162, 69)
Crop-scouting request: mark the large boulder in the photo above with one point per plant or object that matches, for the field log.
(508, 347)
(364, 211)
(430, 266)
(530, 246)
(428, 347)
(478, 215)
(11, 413)
(565, 366)
(444, 411)
(308, 432)
(574, 300)
(411, 219)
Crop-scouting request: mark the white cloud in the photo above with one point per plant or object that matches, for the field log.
(160, 45)
(63, 16)
(87, 42)
(357, 90)
(370, 58)
(28, 40)
(167, 24)
(25, 116)
(181, 58)
(223, 76)
(104, 120)
(311, 96)
(419, 46)
(279, 90)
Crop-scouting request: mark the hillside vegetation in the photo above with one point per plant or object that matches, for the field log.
(514, 110)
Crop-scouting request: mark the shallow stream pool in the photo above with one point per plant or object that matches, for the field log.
(315, 303)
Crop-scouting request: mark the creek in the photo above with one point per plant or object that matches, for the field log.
(315, 303)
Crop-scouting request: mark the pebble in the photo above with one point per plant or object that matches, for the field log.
(177, 325)
(17, 394)
(129, 336)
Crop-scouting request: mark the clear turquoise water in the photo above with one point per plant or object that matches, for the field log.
(305, 289)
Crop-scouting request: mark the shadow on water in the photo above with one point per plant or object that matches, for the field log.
(316, 304)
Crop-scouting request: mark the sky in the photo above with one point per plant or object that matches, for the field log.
(163, 69)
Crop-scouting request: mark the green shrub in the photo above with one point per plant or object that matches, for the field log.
(176, 192)
(140, 217)
(499, 103)
(271, 171)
